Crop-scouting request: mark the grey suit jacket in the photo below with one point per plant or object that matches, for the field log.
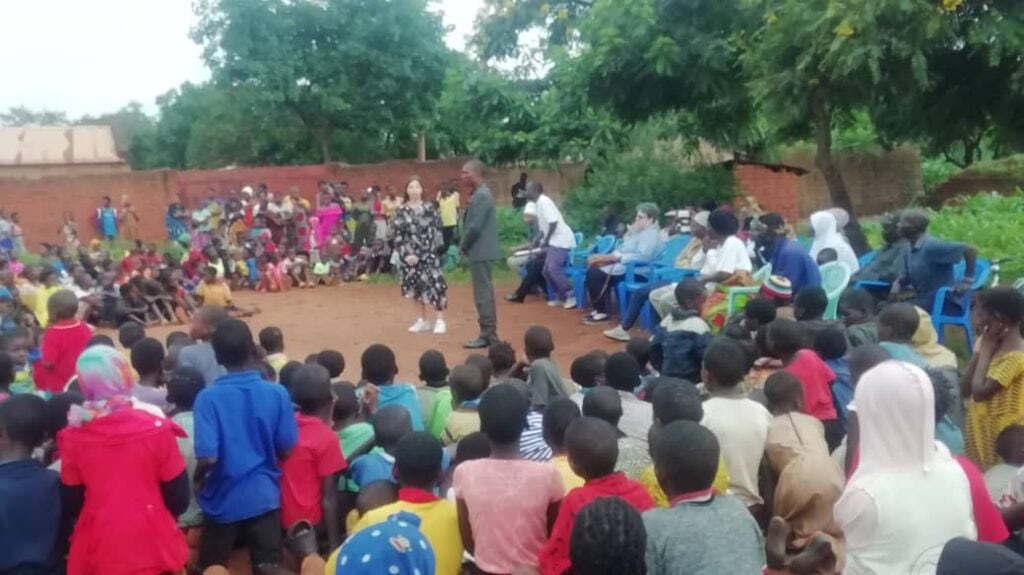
(480, 228)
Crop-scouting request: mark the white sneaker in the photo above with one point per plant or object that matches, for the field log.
(440, 327)
(569, 303)
(555, 303)
(617, 333)
(420, 326)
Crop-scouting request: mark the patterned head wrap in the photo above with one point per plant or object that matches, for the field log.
(106, 379)
(394, 547)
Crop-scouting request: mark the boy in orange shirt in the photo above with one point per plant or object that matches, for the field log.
(64, 340)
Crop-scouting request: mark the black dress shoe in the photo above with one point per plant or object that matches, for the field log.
(478, 343)
(513, 298)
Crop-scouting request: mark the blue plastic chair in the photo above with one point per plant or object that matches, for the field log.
(835, 276)
(963, 319)
(666, 259)
(866, 258)
(577, 272)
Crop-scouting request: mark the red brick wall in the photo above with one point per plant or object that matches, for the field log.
(774, 190)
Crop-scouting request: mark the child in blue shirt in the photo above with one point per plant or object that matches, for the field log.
(380, 368)
(390, 424)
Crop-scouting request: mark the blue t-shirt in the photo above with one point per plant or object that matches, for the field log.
(842, 387)
(403, 394)
(108, 221)
(930, 264)
(243, 422)
(29, 517)
(792, 262)
(377, 465)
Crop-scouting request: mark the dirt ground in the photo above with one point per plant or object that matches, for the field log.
(350, 317)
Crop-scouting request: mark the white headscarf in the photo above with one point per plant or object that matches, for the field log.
(896, 412)
(826, 235)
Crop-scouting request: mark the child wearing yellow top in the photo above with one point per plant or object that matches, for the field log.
(561, 412)
(272, 342)
(212, 290)
(467, 385)
(418, 470)
(50, 285)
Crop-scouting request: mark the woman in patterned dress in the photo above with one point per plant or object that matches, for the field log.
(418, 240)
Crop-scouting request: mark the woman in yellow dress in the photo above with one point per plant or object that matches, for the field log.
(994, 380)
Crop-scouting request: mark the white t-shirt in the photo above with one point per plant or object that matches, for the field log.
(741, 427)
(730, 257)
(548, 213)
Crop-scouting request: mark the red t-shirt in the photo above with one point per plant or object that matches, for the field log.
(62, 343)
(124, 527)
(316, 455)
(817, 378)
(554, 558)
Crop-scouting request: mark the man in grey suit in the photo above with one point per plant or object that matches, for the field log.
(480, 246)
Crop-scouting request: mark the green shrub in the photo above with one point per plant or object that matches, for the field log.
(990, 222)
(511, 229)
(935, 172)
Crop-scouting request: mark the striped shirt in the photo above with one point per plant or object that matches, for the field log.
(532, 445)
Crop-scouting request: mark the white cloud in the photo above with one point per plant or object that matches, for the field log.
(94, 56)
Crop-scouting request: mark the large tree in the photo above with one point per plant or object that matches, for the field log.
(342, 67)
(24, 116)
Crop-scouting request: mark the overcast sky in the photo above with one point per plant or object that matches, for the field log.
(95, 56)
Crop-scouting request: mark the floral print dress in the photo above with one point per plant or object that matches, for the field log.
(418, 232)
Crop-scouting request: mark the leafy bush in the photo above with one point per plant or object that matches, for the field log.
(935, 172)
(991, 223)
(511, 229)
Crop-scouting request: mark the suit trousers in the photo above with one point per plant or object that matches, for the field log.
(483, 296)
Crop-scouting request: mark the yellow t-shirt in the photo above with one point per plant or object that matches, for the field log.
(448, 206)
(439, 523)
(460, 424)
(218, 294)
(42, 310)
(650, 482)
(277, 361)
(569, 477)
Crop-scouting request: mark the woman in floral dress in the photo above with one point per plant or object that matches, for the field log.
(418, 240)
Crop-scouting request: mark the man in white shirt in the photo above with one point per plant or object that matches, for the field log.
(558, 239)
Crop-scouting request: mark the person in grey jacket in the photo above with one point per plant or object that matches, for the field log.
(480, 245)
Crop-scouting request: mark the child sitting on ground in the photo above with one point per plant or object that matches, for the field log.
(830, 345)
(593, 450)
(30, 494)
(558, 415)
(808, 482)
(148, 361)
(757, 313)
(701, 528)
(680, 340)
(272, 342)
(544, 379)
(354, 434)
(467, 384)
(434, 375)
(622, 373)
(64, 340)
(1010, 448)
(739, 423)
(418, 459)
(310, 473)
(492, 492)
(857, 310)
(786, 340)
(128, 335)
(809, 307)
(587, 372)
(390, 424)
(608, 534)
(640, 349)
(380, 368)
(503, 361)
(334, 362)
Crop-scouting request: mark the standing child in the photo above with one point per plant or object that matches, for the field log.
(63, 341)
(353, 432)
(183, 387)
(272, 342)
(504, 490)
(786, 339)
(435, 389)
(739, 423)
(558, 415)
(701, 533)
(418, 470)
(49, 284)
(593, 450)
(309, 475)
(30, 510)
(16, 344)
(200, 355)
(237, 452)
(148, 361)
(544, 379)
(467, 386)
(380, 368)
(680, 340)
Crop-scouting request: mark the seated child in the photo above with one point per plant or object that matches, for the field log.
(128, 335)
(418, 458)
(679, 341)
(354, 433)
(739, 423)
(622, 373)
(380, 368)
(544, 379)
(787, 342)
(685, 461)
(857, 310)
(489, 492)
(64, 340)
(558, 415)
(30, 494)
(310, 473)
(593, 450)
(395, 545)
(897, 324)
(1010, 447)
(605, 404)
(808, 481)
(334, 362)
(587, 372)
(183, 386)
(390, 424)
(467, 384)
(372, 496)
(472, 447)
(608, 532)
(147, 358)
(6, 375)
(757, 313)
(809, 307)
(640, 349)
(213, 291)
(434, 375)
(272, 342)
(16, 344)
(830, 345)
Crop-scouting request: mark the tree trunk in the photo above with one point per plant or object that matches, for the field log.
(822, 117)
(421, 147)
(324, 139)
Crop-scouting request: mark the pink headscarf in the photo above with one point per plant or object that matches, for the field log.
(106, 381)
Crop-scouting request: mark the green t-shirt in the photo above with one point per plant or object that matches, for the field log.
(442, 409)
(353, 437)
